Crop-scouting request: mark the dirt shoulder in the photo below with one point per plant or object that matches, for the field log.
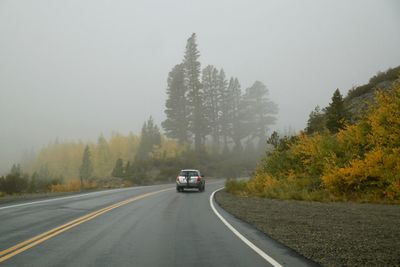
(332, 234)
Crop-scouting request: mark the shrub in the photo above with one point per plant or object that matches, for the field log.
(361, 162)
(73, 186)
(235, 186)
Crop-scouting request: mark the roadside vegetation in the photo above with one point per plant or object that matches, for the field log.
(340, 156)
(211, 124)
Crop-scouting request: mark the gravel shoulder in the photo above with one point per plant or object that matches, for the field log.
(331, 234)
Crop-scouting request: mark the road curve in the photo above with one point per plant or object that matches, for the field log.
(133, 227)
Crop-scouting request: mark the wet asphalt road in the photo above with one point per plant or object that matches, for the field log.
(164, 229)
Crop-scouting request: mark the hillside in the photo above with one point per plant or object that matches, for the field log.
(340, 157)
(357, 98)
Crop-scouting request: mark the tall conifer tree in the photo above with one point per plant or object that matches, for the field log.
(223, 100)
(197, 120)
(176, 124)
(86, 168)
(150, 137)
(118, 170)
(102, 157)
(258, 112)
(235, 125)
(336, 113)
(210, 88)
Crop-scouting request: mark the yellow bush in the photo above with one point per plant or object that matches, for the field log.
(315, 152)
(261, 184)
(373, 154)
(70, 186)
(378, 173)
(235, 186)
(360, 162)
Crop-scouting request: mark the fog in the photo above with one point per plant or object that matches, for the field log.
(75, 69)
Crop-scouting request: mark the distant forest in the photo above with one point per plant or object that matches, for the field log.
(210, 125)
(204, 103)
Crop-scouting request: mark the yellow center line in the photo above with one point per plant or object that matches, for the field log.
(27, 244)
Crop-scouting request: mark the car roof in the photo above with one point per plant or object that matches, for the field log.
(192, 170)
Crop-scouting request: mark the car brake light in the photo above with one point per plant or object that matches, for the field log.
(198, 178)
(177, 178)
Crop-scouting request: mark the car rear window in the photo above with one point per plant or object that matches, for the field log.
(189, 173)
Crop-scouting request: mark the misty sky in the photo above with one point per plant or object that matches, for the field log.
(74, 69)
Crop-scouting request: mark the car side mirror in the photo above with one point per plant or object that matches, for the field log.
(203, 175)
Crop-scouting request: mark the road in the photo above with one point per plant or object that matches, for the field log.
(142, 226)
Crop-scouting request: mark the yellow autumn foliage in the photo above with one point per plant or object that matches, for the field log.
(70, 186)
(360, 162)
(63, 159)
(373, 148)
(262, 184)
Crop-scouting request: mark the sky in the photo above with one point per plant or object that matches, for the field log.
(72, 70)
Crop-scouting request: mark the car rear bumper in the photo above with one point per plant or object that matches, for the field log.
(189, 185)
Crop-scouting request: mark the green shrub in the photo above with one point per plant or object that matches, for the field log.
(235, 186)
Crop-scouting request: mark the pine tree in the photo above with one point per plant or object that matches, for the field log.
(210, 88)
(223, 101)
(257, 111)
(197, 121)
(86, 168)
(103, 157)
(316, 121)
(176, 124)
(33, 183)
(232, 111)
(127, 169)
(44, 172)
(150, 137)
(235, 128)
(257, 114)
(15, 181)
(336, 113)
(16, 169)
(273, 139)
(118, 170)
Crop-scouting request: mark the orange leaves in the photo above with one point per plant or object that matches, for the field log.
(377, 173)
(384, 118)
(372, 147)
(261, 183)
(70, 186)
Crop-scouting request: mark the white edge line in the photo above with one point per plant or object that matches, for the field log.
(68, 197)
(264, 255)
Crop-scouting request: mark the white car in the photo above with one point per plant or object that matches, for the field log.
(190, 178)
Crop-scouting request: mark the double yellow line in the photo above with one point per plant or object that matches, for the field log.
(25, 245)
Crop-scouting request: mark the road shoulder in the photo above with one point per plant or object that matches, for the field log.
(284, 255)
(332, 234)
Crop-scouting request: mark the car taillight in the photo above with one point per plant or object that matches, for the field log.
(177, 178)
(198, 178)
